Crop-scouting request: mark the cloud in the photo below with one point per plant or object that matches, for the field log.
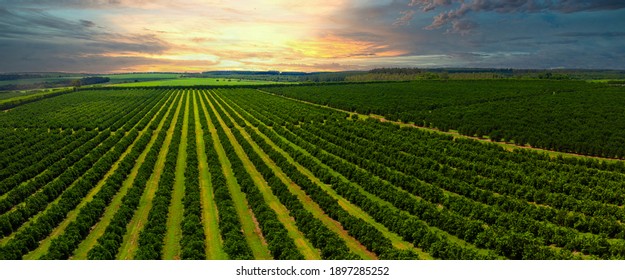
(463, 27)
(33, 40)
(461, 8)
(332, 46)
(37, 23)
(189, 35)
(36, 26)
(87, 23)
(405, 18)
(428, 5)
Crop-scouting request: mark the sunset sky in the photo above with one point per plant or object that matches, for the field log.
(100, 36)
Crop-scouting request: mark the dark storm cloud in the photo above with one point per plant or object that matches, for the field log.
(463, 26)
(505, 38)
(32, 40)
(461, 8)
(47, 56)
(36, 23)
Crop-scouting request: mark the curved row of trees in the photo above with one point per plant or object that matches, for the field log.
(477, 180)
(46, 171)
(566, 116)
(48, 185)
(17, 162)
(109, 242)
(40, 199)
(27, 237)
(71, 187)
(15, 142)
(458, 190)
(442, 188)
(409, 227)
(30, 166)
(89, 109)
(62, 246)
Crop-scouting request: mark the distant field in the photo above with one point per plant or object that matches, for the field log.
(115, 78)
(38, 80)
(17, 93)
(12, 99)
(140, 77)
(608, 81)
(197, 82)
(13, 94)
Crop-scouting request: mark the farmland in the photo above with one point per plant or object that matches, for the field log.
(567, 116)
(196, 82)
(241, 173)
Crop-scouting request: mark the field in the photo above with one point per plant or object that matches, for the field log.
(241, 173)
(566, 116)
(38, 80)
(140, 77)
(9, 100)
(197, 82)
(19, 94)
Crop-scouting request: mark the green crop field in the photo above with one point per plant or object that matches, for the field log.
(567, 116)
(139, 77)
(313, 172)
(39, 80)
(17, 94)
(196, 82)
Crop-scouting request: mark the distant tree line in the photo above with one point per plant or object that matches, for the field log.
(52, 84)
(8, 104)
(12, 77)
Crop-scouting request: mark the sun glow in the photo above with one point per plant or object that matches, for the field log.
(244, 35)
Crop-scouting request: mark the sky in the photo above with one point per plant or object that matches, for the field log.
(105, 36)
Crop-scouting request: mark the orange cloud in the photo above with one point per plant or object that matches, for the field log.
(337, 47)
(200, 35)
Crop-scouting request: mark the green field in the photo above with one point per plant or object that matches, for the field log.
(197, 82)
(17, 98)
(243, 173)
(39, 80)
(566, 116)
(139, 77)
(17, 94)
